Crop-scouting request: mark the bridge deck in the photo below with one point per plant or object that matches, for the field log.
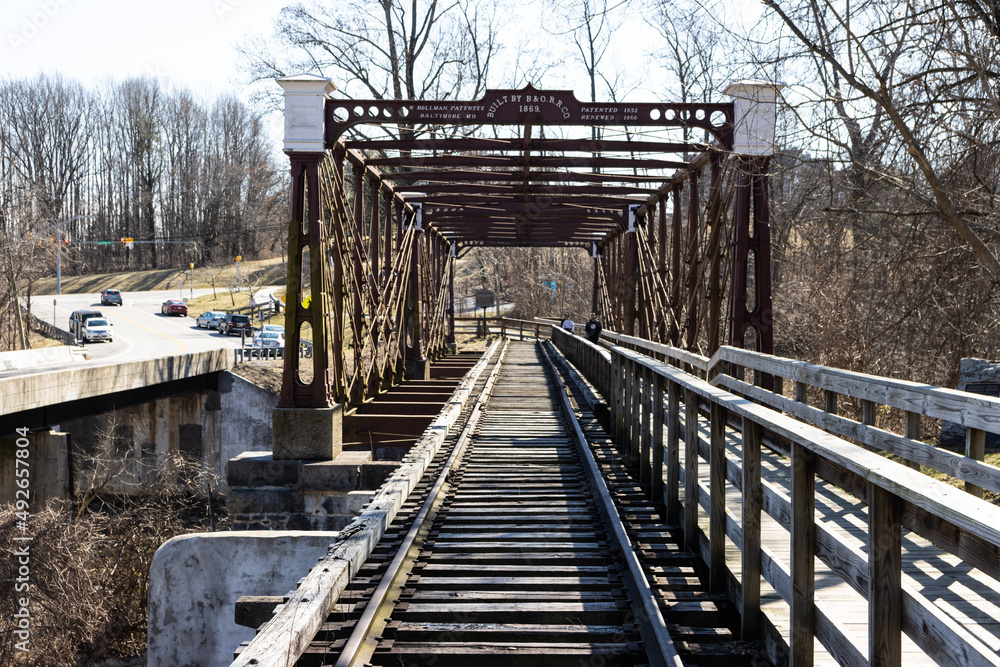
(966, 594)
(515, 557)
(518, 453)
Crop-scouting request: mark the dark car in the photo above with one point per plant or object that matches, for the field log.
(234, 323)
(174, 307)
(78, 317)
(111, 297)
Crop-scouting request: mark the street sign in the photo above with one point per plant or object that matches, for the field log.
(485, 298)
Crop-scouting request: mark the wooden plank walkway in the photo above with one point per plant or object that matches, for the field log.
(964, 593)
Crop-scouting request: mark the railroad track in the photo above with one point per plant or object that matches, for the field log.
(512, 551)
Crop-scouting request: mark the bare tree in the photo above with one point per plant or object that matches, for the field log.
(913, 87)
(385, 49)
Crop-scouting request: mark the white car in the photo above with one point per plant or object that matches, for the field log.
(276, 328)
(269, 339)
(96, 328)
(209, 319)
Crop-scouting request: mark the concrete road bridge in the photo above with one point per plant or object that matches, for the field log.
(671, 494)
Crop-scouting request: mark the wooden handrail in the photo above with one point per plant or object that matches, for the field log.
(896, 496)
(977, 413)
(971, 410)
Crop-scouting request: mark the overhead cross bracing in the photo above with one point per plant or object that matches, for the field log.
(530, 189)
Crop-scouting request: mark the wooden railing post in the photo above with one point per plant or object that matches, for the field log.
(629, 414)
(691, 470)
(868, 417)
(673, 451)
(656, 465)
(751, 507)
(830, 397)
(635, 414)
(885, 592)
(645, 431)
(975, 448)
(614, 403)
(912, 431)
(803, 557)
(717, 499)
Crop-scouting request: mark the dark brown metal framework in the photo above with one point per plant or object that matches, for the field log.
(381, 236)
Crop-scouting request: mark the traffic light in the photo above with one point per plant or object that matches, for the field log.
(122, 240)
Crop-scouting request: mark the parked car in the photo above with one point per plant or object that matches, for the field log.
(111, 297)
(96, 328)
(234, 323)
(78, 317)
(174, 307)
(210, 319)
(269, 339)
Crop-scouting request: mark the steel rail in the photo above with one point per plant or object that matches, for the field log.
(362, 629)
(652, 626)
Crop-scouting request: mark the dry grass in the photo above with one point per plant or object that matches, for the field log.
(37, 340)
(88, 579)
(87, 563)
(164, 279)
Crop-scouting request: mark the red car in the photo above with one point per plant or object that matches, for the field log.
(174, 307)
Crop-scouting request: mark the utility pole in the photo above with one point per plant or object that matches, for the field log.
(59, 248)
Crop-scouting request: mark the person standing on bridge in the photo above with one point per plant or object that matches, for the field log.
(593, 329)
(567, 323)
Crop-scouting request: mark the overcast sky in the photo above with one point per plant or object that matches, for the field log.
(188, 43)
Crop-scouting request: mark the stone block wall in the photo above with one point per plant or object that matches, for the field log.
(265, 494)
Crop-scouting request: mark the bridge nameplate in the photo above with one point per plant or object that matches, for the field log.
(485, 298)
(984, 388)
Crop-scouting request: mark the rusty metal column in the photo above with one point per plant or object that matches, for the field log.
(751, 234)
(661, 240)
(375, 230)
(387, 248)
(676, 267)
(691, 257)
(631, 268)
(594, 300)
(715, 255)
(304, 234)
(307, 424)
(753, 143)
(452, 344)
(417, 366)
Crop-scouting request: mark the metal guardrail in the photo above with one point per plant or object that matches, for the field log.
(48, 329)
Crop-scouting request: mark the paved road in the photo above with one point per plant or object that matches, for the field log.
(140, 331)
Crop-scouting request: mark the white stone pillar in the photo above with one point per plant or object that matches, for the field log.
(756, 103)
(305, 101)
